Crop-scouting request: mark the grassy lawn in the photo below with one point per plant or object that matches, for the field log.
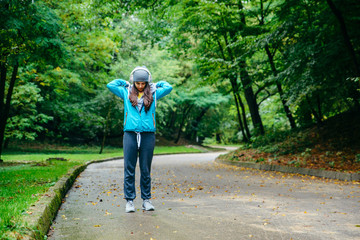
(26, 174)
(21, 186)
(82, 155)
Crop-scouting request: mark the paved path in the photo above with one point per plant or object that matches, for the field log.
(196, 198)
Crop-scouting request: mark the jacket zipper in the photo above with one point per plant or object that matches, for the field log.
(125, 118)
(153, 120)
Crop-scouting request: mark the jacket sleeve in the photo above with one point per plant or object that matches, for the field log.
(118, 87)
(162, 89)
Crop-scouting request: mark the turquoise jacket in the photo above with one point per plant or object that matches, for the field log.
(134, 119)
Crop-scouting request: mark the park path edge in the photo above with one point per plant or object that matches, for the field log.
(286, 169)
(44, 211)
(41, 214)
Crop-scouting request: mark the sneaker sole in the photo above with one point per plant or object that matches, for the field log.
(129, 211)
(150, 209)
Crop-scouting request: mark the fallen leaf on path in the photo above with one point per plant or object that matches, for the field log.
(97, 225)
(340, 213)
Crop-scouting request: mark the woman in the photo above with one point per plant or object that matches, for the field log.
(139, 97)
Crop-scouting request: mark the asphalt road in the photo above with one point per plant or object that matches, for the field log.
(196, 198)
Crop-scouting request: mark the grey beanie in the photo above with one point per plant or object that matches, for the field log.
(141, 75)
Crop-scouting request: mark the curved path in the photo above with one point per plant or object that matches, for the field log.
(196, 198)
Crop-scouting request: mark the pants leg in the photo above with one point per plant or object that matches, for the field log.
(130, 159)
(145, 159)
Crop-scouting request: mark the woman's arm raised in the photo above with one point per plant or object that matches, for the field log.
(118, 87)
(162, 89)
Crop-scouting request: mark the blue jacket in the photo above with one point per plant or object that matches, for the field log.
(134, 119)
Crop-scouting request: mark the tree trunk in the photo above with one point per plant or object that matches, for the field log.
(197, 121)
(249, 93)
(185, 113)
(234, 90)
(280, 91)
(345, 35)
(316, 115)
(236, 96)
(246, 82)
(106, 129)
(241, 125)
(218, 138)
(318, 101)
(244, 116)
(2, 86)
(2, 94)
(250, 99)
(6, 108)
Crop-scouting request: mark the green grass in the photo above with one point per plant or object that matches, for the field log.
(175, 149)
(25, 175)
(82, 154)
(21, 186)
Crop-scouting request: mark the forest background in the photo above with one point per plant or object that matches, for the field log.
(242, 71)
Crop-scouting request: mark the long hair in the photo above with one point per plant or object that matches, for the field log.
(148, 98)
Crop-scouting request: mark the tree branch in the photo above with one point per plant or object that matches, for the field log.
(269, 95)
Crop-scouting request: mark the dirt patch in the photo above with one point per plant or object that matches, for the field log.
(333, 145)
(11, 164)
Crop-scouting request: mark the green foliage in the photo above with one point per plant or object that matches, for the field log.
(25, 121)
(357, 160)
(29, 33)
(314, 59)
(298, 162)
(205, 49)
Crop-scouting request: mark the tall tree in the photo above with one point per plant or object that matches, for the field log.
(317, 75)
(263, 12)
(29, 33)
(344, 31)
(215, 28)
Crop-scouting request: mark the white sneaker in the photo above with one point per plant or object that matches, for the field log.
(147, 205)
(130, 207)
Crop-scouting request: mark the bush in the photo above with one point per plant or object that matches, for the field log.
(357, 158)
